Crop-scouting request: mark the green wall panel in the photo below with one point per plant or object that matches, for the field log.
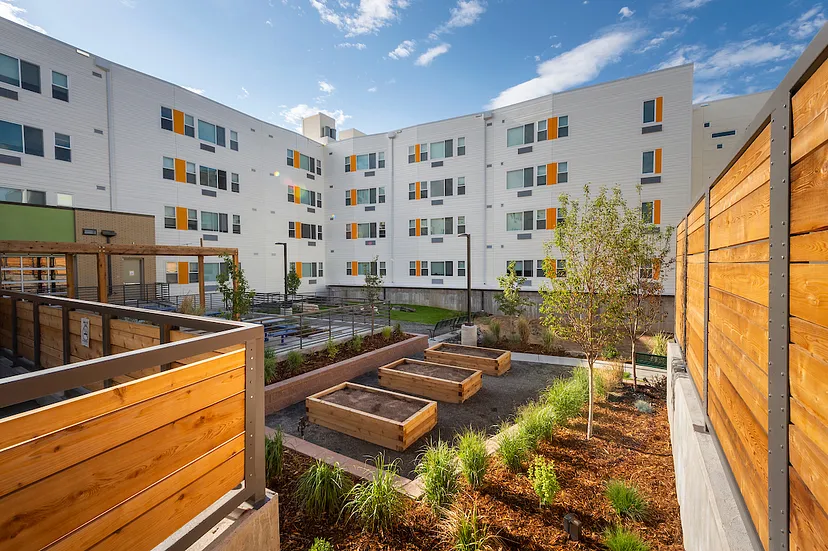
(34, 223)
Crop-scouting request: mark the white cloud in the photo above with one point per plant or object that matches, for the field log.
(577, 66)
(464, 14)
(244, 93)
(368, 17)
(405, 49)
(556, 45)
(355, 45)
(372, 89)
(710, 92)
(625, 12)
(326, 87)
(740, 55)
(269, 23)
(199, 91)
(425, 59)
(294, 115)
(15, 13)
(658, 40)
(129, 3)
(689, 4)
(682, 55)
(807, 24)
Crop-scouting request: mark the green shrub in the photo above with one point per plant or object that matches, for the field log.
(471, 452)
(331, 348)
(387, 333)
(512, 448)
(618, 538)
(658, 344)
(627, 375)
(536, 422)
(376, 503)
(269, 365)
(643, 407)
(549, 340)
(467, 532)
(610, 352)
(627, 500)
(320, 544)
(544, 480)
(356, 343)
(322, 488)
(294, 361)
(523, 330)
(565, 398)
(495, 328)
(439, 471)
(274, 455)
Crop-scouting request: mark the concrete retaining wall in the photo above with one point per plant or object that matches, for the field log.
(290, 391)
(710, 514)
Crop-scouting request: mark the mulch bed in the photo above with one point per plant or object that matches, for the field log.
(320, 359)
(626, 445)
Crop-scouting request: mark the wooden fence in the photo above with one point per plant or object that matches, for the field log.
(752, 309)
(177, 437)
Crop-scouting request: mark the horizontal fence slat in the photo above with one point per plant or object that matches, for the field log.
(809, 292)
(810, 247)
(810, 137)
(746, 280)
(750, 338)
(748, 220)
(809, 381)
(809, 192)
(811, 100)
(748, 252)
(811, 337)
(756, 154)
(811, 463)
(809, 522)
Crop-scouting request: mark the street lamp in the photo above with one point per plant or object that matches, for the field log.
(286, 270)
(468, 277)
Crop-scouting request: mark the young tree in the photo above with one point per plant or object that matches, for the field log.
(293, 282)
(647, 251)
(238, 295)
(373, 288)
(586, 305)
(509, 301)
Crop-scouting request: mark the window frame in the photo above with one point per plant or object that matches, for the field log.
(540, 179)
(563, 175)
(166, 121)
(189, 129)
(168, 172)
(651, 219)
(461, 185)
(644, 154)
(563, 129)
(523, 220)
(528, 134)
(209, 139)
(27, 85)
(540, 216)
(204, 219)
(59, 89)
(65, 150)
(169, 221)
(644, 111)
(459, 225)
(461, 147)
(543, 134)
(192, 219)
(234, 143)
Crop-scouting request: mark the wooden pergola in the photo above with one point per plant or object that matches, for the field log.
(104, 250)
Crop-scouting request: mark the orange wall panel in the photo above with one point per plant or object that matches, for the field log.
(552, 174)
(658, 161)
(552, 128)
(183, 272)
(659, 108)
(181, 170)
(180, 218)
(657, 211)
(178, 122)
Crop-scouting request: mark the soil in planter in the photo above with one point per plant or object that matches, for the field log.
(320, 359)
(444, 372)
(469, 351)
(376, 403)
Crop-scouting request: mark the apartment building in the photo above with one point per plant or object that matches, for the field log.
(78, 130)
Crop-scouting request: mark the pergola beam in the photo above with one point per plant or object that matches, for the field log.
(55, 247)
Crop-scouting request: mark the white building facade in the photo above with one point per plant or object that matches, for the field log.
(211, 174)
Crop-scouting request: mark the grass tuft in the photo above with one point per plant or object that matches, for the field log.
(471, 452)
(356, 343)
(627, 500)
(544, 480)
(618, 538)
(294, 361)
(512, 448)
(322, 488)
(269, 365)
(274, 455)
(375, 503)
(331, 348)
(440, 471)
(523, 330)
(467, 532)
(658, 344)
(566, 399)
(387, 333)
(536, 423)
(495, 328)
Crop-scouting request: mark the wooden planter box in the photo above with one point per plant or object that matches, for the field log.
(488, 360)
(398, 421)
(446, 383)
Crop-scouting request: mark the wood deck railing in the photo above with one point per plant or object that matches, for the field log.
(171, 433)
(752, 309)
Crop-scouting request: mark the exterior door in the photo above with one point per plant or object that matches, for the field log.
(133, 272)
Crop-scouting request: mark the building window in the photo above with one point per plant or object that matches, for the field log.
(206, 131)
(542, 175)
(461, 224)
(442, 226)
(319, 167)
(290, 157)
(560, 268)
(292, 229)
(172, 272)
(234, 182)
(60, 86)
(347, 163)
(520, 135)
(523, 268)
(382, 270)
(381, 195)
(719, 146)
(9, 70)
(382, 230)
(423, 152)
(723, 134)
(169, 218)
(412, 191)
(362, 162)
(645, 271)
(28, 196)
(33, 141)
(63, 147)
(64, 199)
(648, 162)
(381, 159)
(348, 234)
(649, 111)
(189, 126)
(349, 268)
(707, 125)
(321, 273)
(441, 188)
(192, 219)
(208, 176)
(648, 212)
(461, 147)
(519, 221)
(191, 172)
(461, 268)
(220, 136)
(166, 117)
(168, 170)
(412, 268)
(423, 268)
(367, 230)
(223, 223)
(563, 173)
(441, 268)
(563, 127)
(29, 76)
(542, 130)
(540, 272)
(365, 268)
(541, 220)
(11, 136)
(193, 272)
(516, 179)
(222, 180)
(11, 195)
(236, 223)
(412, 154)
(234, 140)
(209, 221)
(319, 199)
(366, 196)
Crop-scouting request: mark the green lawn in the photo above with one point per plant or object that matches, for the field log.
(424, 314)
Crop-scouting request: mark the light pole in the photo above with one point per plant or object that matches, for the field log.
(468, 277)
(286, 270)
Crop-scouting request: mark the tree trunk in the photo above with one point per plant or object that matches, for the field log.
(635, 377)
(591, 401)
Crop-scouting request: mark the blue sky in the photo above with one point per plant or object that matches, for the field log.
(378, 65)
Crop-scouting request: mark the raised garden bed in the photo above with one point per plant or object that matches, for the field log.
(378, 416)
(436, 381)
(488, 360)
